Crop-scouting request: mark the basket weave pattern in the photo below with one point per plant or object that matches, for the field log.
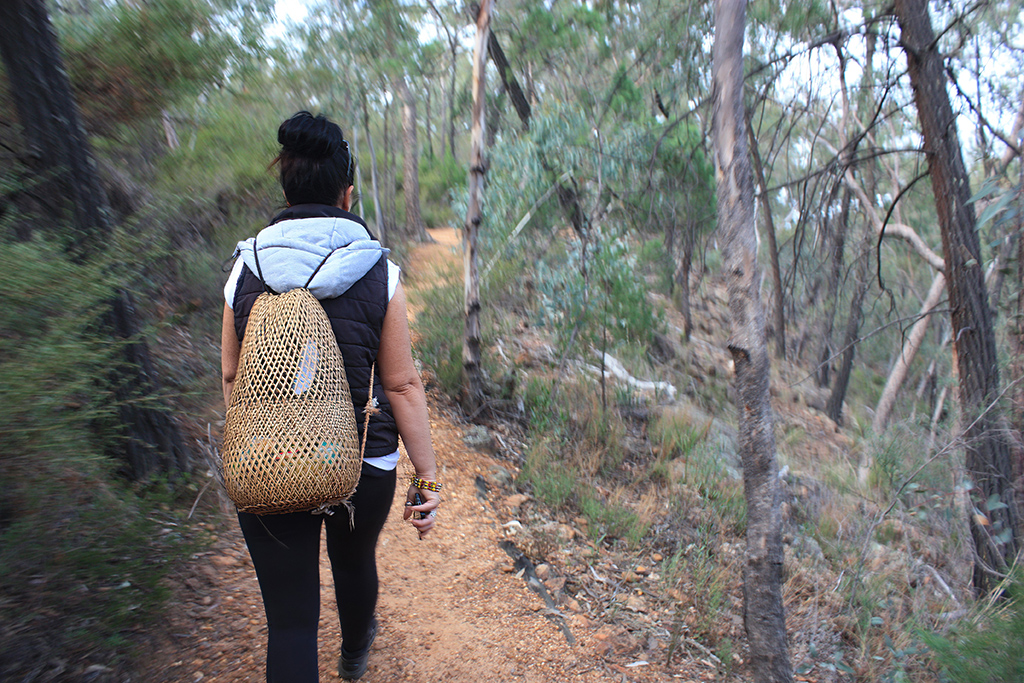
(290, 438)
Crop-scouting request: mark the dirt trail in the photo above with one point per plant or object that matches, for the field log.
(450, 608)
(428, 262)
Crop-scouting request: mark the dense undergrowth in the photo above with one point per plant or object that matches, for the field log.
(82, 550)
(878, 557)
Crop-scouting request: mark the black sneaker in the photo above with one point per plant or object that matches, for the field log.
(352, 666)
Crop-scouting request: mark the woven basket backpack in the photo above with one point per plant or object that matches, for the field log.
(290, 438)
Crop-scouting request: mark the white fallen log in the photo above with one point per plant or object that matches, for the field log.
(613, 369)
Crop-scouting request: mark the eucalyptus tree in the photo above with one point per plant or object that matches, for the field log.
(677, 196)
(863, 156)
(447, 16)
(429, 68)
(399, 39)
(785, 145)
(625, 67)
(994, 520)
(764, 614)
(378, 40)
(853, 136)
(473, 386)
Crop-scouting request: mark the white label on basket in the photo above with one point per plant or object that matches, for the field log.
(307, 369)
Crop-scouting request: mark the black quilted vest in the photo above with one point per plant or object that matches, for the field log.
(357, 317)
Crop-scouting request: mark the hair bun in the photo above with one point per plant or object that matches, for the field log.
(313, 137)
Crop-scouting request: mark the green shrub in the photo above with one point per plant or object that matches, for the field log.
(438, 177)
(545, 415)
(49, 361)
(655, 262)
(440, 325)
(552, 482)
(606, 519)
(440, 330)
(676, 435)
(987, 647)
(81, 554)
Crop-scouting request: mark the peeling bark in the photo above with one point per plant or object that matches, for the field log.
(764, 615)
(473, 389)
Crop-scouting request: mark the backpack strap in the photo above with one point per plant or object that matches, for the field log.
(259, 271)
(317, 269)
(370, 409)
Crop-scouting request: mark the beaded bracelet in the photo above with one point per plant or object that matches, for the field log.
(428, 485)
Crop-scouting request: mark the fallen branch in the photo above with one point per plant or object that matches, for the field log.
(931, 571)
(615, 369)
(708, 653)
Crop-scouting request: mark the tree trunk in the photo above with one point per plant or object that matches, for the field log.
(1017, 366)
(473, 385)
(837, 251)
(377, 215)
(998, 268)
(169, 132)
(54, 140)
(681, 277)
(764, 615)
(494, 109)
(58, 148)
(834, 405)
(427, 121)
(773, 250)
(449, 124)
(994, 529)
(356, 172)
(411, 156)
(509, 82)
(389, 217)
(451, 97)
(151, 441)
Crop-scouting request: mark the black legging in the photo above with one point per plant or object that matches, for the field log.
(285, 551)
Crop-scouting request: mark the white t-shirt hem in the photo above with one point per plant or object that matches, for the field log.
(384, 462)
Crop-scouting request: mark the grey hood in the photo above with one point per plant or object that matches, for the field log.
(289, 252)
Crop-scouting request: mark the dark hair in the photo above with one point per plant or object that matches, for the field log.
(316, 166)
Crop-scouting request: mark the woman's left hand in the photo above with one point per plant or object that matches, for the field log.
(431, 501)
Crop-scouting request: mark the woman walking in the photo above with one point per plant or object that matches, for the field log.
(363, 298)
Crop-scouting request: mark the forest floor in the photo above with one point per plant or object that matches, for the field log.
(454, 606)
